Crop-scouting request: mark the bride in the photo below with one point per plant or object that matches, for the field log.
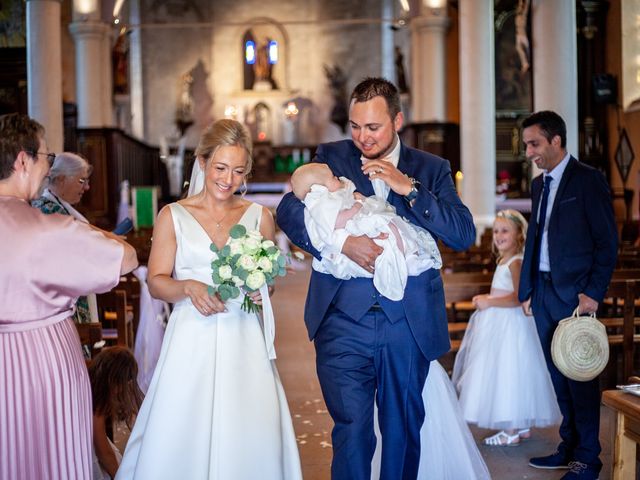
(215, 408)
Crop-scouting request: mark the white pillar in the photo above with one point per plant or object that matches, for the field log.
(555, 63)
(44, 69)
(107, 78)
(386, 42)
(89, 39)
(428, 64)
(477, 110)
(135, 73)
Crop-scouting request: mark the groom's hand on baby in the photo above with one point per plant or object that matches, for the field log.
(363, 250)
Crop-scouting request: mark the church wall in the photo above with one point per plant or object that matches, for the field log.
(169, 53)
(629, 120)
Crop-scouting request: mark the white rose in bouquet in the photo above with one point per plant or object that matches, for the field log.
(235, 247)
(225, 272)
(265, 264)
(251, 245)
(247, 262)
(255, 280)
(267, 244)
(237, 281)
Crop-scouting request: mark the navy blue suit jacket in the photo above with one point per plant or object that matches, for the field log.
(437, 208)
(582, 236)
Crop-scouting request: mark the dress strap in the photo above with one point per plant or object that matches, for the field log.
(519, 256)
(252, 217)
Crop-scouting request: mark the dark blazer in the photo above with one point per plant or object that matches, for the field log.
(582, 236)
(437, 208)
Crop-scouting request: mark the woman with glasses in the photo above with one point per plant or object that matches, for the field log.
(68, 179)
(48, 261)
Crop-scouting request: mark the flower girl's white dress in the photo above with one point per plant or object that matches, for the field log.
(215, 408)
(500, 370)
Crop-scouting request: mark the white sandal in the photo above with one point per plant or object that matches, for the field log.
(502, 439)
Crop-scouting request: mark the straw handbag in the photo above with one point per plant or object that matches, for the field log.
(580, 348)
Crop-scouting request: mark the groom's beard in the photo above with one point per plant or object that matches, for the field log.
(384, 152)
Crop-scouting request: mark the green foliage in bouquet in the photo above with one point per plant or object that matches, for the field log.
(244, 264)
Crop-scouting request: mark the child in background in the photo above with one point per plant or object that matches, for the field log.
(332, 204)
(500, 370)
(116, 398)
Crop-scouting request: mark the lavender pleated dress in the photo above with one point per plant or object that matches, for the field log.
(46, 262)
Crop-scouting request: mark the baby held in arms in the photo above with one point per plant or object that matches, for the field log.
(334, 210)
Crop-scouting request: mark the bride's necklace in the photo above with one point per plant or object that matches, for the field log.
(219, 222)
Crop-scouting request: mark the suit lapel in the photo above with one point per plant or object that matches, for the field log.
(360, 180)
(536, 188)
(566, 176)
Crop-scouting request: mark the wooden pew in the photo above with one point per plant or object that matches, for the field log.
(90, 334)
(459, 289)
(131, 286)
(116, 318)
(621, 320)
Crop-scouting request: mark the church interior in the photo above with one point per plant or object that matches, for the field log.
(132, 84)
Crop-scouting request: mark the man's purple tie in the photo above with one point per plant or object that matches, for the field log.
(542, 217)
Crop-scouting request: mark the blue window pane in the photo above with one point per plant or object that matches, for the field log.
(250, 52)
(273, 52)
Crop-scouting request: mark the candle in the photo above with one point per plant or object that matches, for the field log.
(459, 177)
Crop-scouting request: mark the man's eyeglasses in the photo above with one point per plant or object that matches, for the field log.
(50, 156)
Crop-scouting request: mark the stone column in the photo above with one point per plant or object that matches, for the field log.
(428, 63)
(89, 39)
(108, 119)
(135, 74)
(477, 110)
(386, 42)
(555, 63)
(44, 69)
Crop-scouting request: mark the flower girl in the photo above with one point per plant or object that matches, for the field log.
(500, 370)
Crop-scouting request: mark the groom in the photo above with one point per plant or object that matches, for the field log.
(367, 345)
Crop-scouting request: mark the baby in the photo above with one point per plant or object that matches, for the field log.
(333, 204)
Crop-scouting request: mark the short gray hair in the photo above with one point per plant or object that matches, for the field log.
(68, 164)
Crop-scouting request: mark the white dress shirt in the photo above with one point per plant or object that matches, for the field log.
(556, 174)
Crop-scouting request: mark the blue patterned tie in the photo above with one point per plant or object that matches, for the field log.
(542, 217)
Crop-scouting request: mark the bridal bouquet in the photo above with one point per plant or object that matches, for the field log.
(245, 264)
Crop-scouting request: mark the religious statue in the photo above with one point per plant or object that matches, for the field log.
(522, 41)
(338, 86)
(120, 64)
(262, 68)
(403, 86)
(184, 112)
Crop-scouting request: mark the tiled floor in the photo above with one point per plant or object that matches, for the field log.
(313, 424)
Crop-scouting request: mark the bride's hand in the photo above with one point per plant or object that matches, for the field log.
(206, 304)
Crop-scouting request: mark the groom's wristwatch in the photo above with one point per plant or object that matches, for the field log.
(413, 193)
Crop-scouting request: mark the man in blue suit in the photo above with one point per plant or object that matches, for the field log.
(569, 257)
(368, 346)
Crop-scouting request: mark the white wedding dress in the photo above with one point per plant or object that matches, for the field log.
(215, 408)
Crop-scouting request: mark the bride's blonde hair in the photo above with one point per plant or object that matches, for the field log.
(225, 133)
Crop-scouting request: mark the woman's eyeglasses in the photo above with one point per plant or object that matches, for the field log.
(50, 156)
